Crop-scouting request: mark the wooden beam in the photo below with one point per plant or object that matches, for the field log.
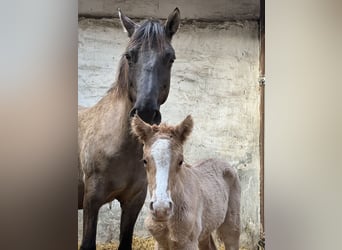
(262, 113)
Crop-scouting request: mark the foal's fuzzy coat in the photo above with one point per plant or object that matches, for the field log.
(202, 199)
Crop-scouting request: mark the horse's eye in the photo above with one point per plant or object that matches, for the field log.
(145, 162)
(170, 57)
(180, 162)
(128, 56)
(131, 56)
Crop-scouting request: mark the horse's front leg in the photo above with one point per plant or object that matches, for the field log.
(92, 202)
(130, 209)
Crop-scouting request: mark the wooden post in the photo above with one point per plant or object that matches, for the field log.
(262, 117)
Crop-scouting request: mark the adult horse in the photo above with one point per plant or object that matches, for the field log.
(187, 203)
(110, 165)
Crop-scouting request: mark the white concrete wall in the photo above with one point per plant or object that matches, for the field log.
(214, 78)
(190, 9)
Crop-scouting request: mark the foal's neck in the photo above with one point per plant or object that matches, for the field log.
(180, 192)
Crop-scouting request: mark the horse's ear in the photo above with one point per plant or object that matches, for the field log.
(172, 23)
(184, 129)
(141, 129)
(128, 25)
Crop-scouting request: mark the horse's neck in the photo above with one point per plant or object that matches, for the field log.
(112, 119)
(113, 110)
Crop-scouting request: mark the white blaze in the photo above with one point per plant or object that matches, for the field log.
(161, 153)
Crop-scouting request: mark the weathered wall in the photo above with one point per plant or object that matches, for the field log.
(191, 9)
(214, 78)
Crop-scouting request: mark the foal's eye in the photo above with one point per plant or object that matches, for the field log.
(180, 162)
(145, 162)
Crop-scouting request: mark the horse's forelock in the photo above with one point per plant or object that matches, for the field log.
(149, 35)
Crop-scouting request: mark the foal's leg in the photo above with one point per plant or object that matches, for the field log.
(191, 245)
(160, 233)
(158, 246)
(91, 204)
(207, 244)
(130, 211)
(229, 231)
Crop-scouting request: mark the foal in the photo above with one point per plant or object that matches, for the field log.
(187, 203)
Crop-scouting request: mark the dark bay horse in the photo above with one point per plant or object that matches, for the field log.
(110, 157)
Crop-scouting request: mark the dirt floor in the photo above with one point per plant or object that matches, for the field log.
(142, 244)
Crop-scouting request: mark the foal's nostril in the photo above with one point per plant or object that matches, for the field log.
(151, 205)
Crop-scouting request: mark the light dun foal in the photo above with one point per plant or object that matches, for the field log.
(187, 203)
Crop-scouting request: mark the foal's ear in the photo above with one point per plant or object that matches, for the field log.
(141, 129)
(172, 23)
(128, 25)
(184, 129)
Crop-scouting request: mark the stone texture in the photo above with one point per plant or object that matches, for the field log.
(190, 9)
(214, 78)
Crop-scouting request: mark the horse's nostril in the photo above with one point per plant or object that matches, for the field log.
(157, 117)
(151, 205)
(151, 116)
(133, 112)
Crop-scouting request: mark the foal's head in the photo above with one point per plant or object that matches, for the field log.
(149, 57)
(163, 160)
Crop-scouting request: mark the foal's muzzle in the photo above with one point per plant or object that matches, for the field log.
(151, 116)
(161, 210)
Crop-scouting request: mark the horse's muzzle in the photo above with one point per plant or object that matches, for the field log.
(150, 116)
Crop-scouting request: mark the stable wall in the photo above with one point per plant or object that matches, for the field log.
(215, 79)
(190, 9)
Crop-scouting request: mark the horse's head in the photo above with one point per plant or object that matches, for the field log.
(149, 56)
(163, 160)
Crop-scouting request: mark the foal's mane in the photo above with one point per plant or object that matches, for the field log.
(148, 35)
